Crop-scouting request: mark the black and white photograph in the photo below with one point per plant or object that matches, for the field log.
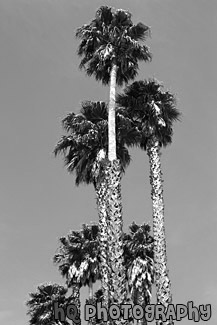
(108, 162)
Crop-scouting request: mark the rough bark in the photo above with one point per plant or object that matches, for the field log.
(111, 115)
(141, 301)
(101, 196)
(138, 296)
(117, 275)
(163, 289)
(100, 184)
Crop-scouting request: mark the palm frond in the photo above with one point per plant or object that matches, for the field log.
(78, 256)
(88, 135)
(40, 305)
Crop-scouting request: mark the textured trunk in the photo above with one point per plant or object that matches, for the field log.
(111, 115)
(101, 194)
(138, 298)
(76, 298)
(117, 276)
(141, 302)
(162, 281)
(101, 198)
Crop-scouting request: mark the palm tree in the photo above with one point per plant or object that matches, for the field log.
(89, 271)
(41, 304)
(97, 297)
(111, 48)
(85, 149)
(153, 113)
(138, 252)
(78, 259)
(70, 253)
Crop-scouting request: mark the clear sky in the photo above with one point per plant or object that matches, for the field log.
(40, 83)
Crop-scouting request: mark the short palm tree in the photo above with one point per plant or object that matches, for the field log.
(97, 297)
(70, 253)
(138, 252)
(85, 149)
(78, 259)
(153, 112)
(88, 271)
(41, 304)
(110, 48)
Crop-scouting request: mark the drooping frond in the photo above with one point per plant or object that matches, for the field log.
(139, 242)
(41, 303)
(94, 111)
(78, 256)
(138, 254)
(140, 32)
(88, 135)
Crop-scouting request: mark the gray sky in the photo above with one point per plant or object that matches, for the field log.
(40, 83)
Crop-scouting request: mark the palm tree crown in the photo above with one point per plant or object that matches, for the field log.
(152, 110)
(88, 136)
(41, 304)
(78, 256)
(139, 255)
(112, 37)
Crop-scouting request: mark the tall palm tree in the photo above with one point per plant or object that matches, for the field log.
(138, 253)
(41, 304)
(85, 149)
(111, 48)
(153, 112)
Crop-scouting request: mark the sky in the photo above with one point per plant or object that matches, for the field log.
(40, 83)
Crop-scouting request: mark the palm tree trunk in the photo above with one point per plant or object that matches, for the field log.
(108, 194)
(90, 289)
(117, 284)
(76, 297)
(101, 198)
(141, 302)
(117, 276)
(138, 299)
(163, 288)
(101, 193)
(111, 115)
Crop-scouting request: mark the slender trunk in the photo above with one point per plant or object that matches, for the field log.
(117, 276)
(142, 303)
(162, 281)
(76, 298)
(111, 115)
(90, 289)
(117, 283)
(138, 298)
(134, 297)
